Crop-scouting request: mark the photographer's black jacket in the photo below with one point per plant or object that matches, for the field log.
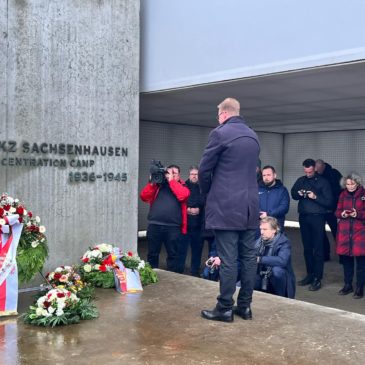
(320, 187)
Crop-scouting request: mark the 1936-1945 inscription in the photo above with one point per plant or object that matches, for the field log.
(63, 156)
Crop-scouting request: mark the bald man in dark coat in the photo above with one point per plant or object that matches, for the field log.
(227, 177)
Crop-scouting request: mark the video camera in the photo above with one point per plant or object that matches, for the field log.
(157, 171)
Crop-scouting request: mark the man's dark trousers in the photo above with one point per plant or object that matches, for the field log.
(312, 231)
(230, 246)
(194, 240)
(158, 234)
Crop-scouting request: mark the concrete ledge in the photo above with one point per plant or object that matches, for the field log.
(162, 325)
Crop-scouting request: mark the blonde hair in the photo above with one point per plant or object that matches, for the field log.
(354, 176)
(272, 221)
(230, 105)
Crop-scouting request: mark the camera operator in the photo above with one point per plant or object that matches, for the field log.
(315, 198)
(167, 216)
(275, 274)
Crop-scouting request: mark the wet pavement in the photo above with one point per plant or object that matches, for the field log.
(332, 281)
(162, 325)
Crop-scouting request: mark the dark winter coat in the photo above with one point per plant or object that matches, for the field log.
(227, 175)
(351, 231)
(274, 200)
(281, 257)
(320, 187)
(194, 201)
(333, 176)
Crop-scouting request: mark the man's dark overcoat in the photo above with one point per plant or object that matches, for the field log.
(227, 175)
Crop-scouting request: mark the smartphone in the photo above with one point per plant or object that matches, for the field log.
(348, 211)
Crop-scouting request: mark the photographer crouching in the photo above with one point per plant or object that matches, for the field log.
(167, 218)
(275, 274)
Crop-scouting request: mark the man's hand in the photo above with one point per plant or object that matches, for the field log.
(263, 214)
(311, 195)
(193, 211)
(169, 175)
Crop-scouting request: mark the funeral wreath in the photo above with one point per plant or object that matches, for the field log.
(32, 249)
(59, 307)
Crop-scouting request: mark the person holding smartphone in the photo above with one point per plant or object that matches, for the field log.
(351, 233)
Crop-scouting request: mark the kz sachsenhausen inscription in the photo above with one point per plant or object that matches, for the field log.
(27, 154)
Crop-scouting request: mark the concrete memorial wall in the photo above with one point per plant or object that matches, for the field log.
(69, 122)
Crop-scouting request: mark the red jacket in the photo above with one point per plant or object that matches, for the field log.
(150, 191)
(351, 231)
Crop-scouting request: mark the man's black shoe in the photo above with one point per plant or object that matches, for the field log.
(216, 315)
(307, 280)
(244, 312)
(316, 285)
(359, 292)
(347, 289)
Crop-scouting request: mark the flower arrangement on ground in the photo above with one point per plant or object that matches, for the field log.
(66, 277)
(59, 307)
(32, 249)
(98, 264)
(134, 262)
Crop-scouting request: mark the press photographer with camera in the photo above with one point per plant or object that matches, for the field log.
(167, 218)
(314, 196)
(275, 274)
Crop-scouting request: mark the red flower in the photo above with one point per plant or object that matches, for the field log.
(1, 212)
(32, 228)
(108, 260)
(102, 268)
(130, 253)
(30, 214)
(7, 207)
(57, 276)
(85, 259)
(60, 295)
(20, 210)
(46, 304)
(20, 220)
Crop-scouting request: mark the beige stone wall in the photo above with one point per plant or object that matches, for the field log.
(69, 75)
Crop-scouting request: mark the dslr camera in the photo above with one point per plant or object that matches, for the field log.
(211, 267)
(157, 171)
(265, 275)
